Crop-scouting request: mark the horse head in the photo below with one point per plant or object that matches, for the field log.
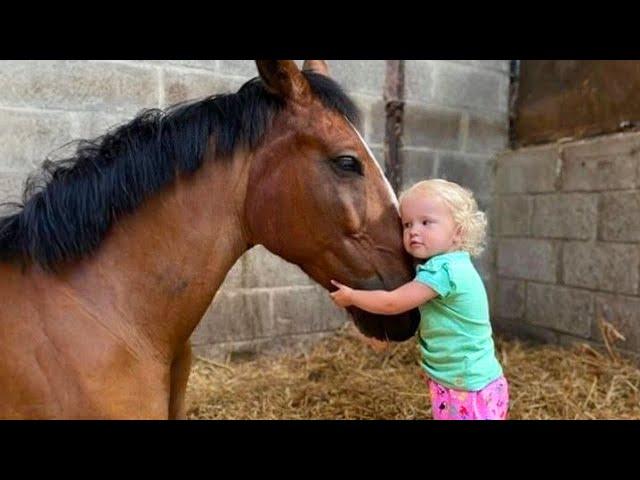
(318, 198)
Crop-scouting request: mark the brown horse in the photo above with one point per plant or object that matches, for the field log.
(109, 265)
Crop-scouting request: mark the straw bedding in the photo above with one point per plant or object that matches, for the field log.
(344, 377)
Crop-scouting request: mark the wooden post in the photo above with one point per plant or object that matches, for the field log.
(514, 79)
(394, 108)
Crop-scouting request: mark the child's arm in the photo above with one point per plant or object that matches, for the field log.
(404, 298)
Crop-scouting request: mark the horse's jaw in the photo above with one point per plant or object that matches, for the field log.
(396, 328)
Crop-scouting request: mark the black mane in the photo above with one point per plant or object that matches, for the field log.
(69, 205)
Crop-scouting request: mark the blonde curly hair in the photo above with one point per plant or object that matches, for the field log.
(463, 207)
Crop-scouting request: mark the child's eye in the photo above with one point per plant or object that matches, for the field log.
(425, 222)
(407, 225)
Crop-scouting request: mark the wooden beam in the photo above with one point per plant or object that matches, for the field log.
(394, 109)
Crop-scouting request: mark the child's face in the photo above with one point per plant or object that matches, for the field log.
(428, 226)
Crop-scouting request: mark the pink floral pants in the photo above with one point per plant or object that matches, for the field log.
(490, 403)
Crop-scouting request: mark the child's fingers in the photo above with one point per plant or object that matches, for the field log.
(338, 284)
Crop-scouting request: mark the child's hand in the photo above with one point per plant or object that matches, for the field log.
(343, 296)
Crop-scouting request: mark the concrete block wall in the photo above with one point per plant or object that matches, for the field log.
(455, 123)
(569, 240)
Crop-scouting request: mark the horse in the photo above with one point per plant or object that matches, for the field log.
(114, 254)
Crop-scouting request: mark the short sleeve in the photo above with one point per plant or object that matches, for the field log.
(435, 275)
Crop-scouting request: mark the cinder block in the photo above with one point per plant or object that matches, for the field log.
(78, 85)
(264, 269)
(27, 138)
(372, 118)
(377, 122)
(431, 127)
(359, 76)
(528, 170)
(565, 309)
(610, 162)
(91, 125)
(249, 349)
(457, 86)
(474, 172)
(620, 217)
(305, 310)
(609, 267)
(11, 187)
(570, 216)
(417, 165)
(418, 81)
(180, 85)
(527, 259)
(511, 298)
(487, 133)
(241, 68)
(514, 215)
(520, 330)
(499, 65)
(235, 315)
(212, 65)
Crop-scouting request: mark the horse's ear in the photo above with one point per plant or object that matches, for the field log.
(316, 66)
(283, 78)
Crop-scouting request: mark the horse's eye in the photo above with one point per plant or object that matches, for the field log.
(348, 164)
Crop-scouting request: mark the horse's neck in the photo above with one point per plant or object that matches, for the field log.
(160, 267)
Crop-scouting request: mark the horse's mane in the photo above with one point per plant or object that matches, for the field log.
(69, 205)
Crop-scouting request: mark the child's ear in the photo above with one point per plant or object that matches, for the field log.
(457, 235)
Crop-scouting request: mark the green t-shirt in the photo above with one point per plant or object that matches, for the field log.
(455, 342)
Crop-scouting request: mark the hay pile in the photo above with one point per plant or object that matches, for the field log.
(344, 378)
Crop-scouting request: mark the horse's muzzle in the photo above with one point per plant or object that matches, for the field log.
(396, 328)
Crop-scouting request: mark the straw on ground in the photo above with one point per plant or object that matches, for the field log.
(343, 378)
